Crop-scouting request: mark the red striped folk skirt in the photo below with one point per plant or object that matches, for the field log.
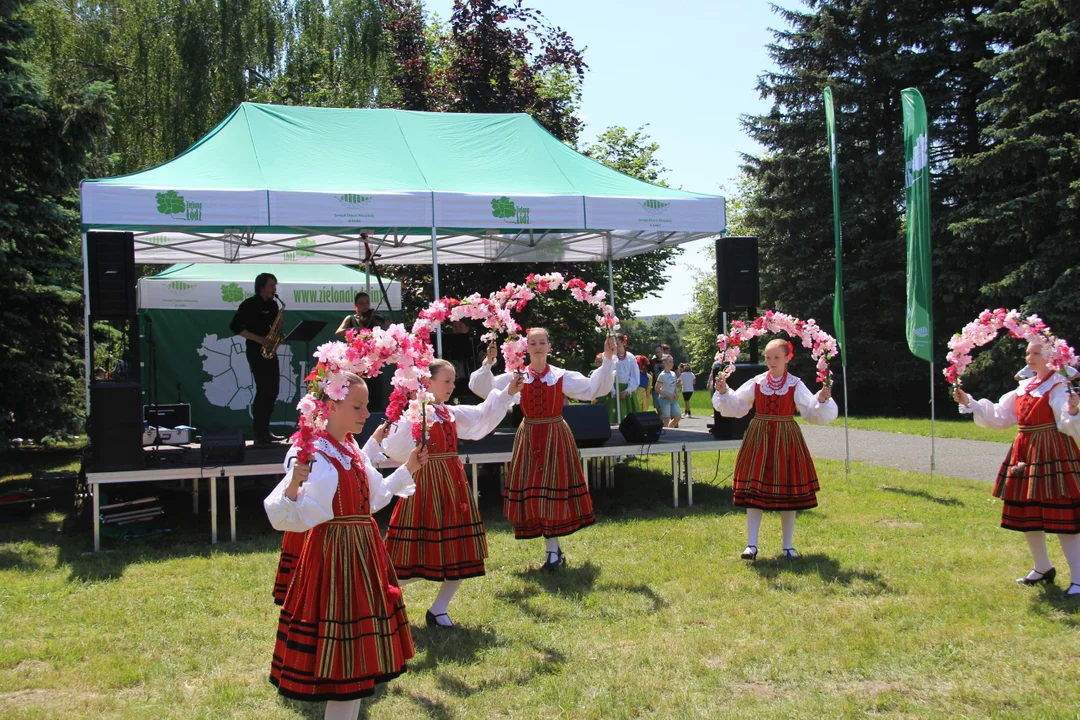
(546, 494)
(291, 545)
(774, 470)
(343, 627)
(437, 533)
(1042, 494)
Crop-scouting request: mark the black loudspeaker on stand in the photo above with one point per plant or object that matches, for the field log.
(736, 273)
(116, 416)
(641, 428)
(111, 265)
(116, 425)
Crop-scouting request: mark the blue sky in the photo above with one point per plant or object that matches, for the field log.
(688, 69)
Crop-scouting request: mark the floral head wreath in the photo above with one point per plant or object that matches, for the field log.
(364, 353)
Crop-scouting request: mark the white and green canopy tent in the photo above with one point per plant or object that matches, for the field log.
(196, 358)
(280, 184)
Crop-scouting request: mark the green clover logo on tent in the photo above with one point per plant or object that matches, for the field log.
(232, 293)
(305, 247)
(352, 200)
(654, 207)
(172, 203)
(505, 209)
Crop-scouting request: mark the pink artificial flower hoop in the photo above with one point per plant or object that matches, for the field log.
(499, 308)
(984, 330)
(823, 346)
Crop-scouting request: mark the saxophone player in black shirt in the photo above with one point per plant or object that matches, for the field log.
(252, 321)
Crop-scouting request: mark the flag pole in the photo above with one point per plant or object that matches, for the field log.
(932, 412)
(847, 443)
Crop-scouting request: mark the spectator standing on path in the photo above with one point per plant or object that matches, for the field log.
(668, 403)
(686, 379)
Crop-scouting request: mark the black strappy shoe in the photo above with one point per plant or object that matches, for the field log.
(750, 553)
(790, 554)
(433, 621)
(1046, 577)
(557, 564)
(1072, 595)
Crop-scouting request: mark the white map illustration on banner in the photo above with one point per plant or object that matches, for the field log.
(231, 385)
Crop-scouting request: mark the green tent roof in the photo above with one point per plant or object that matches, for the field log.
(271, 174)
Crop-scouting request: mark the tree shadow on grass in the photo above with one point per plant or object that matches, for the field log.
(830, 571)
(923, 495)
(181, 535)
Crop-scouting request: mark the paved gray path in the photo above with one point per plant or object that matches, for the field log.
(968, 459)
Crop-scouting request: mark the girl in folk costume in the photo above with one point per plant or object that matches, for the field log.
(1038, 481)
(546, 494)
(437, 534)
(343, 626)
(626, 382)
(774, 470)
(293, 542)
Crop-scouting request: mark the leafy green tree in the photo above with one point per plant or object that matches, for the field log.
(45, 149)
(505, 57)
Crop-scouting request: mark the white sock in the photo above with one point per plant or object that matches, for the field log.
(408, 581)
(1070, 545)
(787, 526)
(342, 710)
(552, 545)
(753, 525)
(442, 600)
(1036, 541)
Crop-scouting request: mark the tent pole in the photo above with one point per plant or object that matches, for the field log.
(435, 275)
(611, 294)
(88, 364)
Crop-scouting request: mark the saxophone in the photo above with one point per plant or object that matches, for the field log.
(273, 338)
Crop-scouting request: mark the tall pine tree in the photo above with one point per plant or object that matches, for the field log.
(868, 51)
(45, 148)
(1023, 209)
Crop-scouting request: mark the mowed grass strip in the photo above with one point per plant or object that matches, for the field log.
(903, 605)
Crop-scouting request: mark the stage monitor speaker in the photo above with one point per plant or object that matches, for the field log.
(726, 428)
(111, 267)
(224, 446)
(641, 428)
(736, 273)
(116, 426)
(372, 424)
(588, 423)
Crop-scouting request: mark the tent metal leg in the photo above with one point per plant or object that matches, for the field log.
(435, 276)
(213, 510)
(96, 492)
(232, 507)
(611, 295)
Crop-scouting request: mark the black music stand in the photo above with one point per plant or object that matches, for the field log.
(305, 332)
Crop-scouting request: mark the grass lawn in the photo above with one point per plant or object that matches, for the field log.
(953, 426)
(903, 605)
